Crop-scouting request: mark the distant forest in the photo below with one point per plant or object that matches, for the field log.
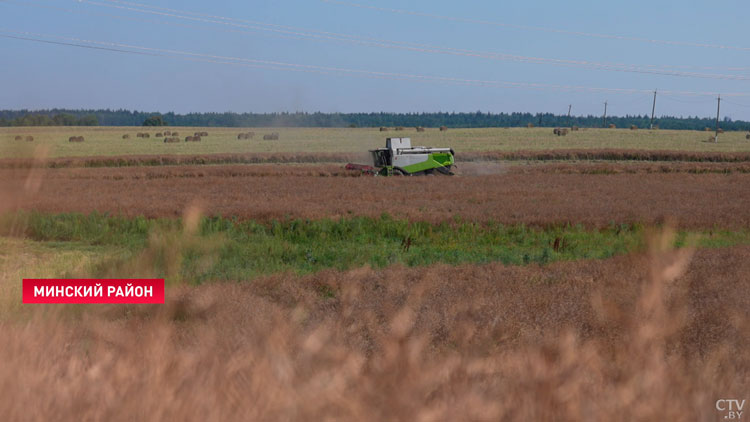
(61, 117)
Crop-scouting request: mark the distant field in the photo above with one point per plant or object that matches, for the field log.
(107, 141)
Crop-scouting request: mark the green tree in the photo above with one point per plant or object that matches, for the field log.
(88, 120)
(154, 121)
(64, 119)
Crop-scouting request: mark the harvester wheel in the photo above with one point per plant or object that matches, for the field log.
(445, 170)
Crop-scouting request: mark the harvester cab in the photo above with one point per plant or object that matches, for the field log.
(400, 158)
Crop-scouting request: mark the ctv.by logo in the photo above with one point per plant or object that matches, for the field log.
(732, 408)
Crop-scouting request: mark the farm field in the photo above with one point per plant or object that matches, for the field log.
(107, 141)
(538, 195)
(484, 337)
(252, 243)
(604, 267)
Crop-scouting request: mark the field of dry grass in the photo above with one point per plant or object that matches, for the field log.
(658, 336)
(107, 141)
(507, 157)
(536, 195)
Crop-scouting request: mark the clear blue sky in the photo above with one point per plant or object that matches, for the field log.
(36, 75)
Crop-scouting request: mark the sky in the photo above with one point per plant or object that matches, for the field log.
(371, 56)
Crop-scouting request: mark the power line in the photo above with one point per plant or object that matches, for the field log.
(278, 65)
(665, 94)
(79, 45)
(536, 28)
(735, 103)
(383, 43)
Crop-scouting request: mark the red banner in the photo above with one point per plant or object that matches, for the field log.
(93, 290)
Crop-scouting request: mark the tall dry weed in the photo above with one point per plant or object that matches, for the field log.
(570, 341)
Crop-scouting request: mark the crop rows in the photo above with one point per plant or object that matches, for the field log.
(323, 157)
(536, 198)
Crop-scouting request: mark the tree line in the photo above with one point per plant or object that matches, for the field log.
(63, 117)
(47, 119)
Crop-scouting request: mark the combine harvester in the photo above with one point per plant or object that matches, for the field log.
(399, 158)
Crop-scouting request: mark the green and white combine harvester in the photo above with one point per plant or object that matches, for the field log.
(399, 158)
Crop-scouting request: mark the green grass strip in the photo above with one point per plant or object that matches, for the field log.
(227, 249)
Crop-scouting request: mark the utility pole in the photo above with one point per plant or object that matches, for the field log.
(604, 118)
(569, 107)
(718, 107)
(653, 109)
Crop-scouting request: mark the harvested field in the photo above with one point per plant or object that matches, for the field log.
(571, 341)
(290, 308)
(106, 141)
(523, 195)
(623, 167)
(312, 157)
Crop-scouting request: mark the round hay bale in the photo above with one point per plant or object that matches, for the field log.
(19, 138)
(721, 130)
(399, 128)
(175, 134)
(126, 136)
(420, 129)
(530, 125)
(383, 129)
(747, 136)
(633, 127)
(443, 128)
(612, 126)
(29, 138)
(188, 139)
(575, 128)
(241, 136)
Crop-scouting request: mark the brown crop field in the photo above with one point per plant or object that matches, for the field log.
(536, 195)
(567, 341)
(364, 157)
(655, 333)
